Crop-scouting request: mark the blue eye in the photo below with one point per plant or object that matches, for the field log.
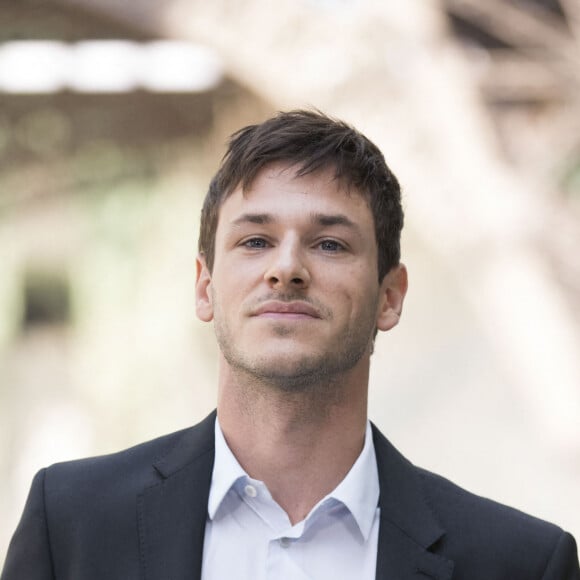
(256, 243)
(330, 246)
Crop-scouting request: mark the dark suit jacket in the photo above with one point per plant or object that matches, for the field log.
(141, 514)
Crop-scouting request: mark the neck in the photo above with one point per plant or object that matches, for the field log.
(300, 443)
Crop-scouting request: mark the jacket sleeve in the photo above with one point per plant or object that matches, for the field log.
(29, 553)
(563, 563)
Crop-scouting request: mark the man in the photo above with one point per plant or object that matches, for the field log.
(298, 269)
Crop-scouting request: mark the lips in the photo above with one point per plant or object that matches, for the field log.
(289, 310)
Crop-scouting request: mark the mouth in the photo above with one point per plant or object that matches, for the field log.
(296, 310)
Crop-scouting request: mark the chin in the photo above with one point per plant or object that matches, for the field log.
(296, 371)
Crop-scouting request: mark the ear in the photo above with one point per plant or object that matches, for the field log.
(203, 298)
(392, 295)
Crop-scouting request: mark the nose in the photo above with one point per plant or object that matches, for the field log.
(287, 268)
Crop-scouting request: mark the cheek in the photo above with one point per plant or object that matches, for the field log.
(343, 299)
(361, 295)
(229, 291)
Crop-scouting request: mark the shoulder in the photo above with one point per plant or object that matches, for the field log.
(88, 511)
(133, 462)
(125, 472)
(456, 506)
(485, 539)
(488, 534)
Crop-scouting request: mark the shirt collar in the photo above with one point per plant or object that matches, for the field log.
(358, 491)
(226, 471)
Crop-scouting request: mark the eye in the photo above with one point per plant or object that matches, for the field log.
(256, 243)
(330, 246)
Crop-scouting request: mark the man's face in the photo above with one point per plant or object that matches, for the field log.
(294, 292)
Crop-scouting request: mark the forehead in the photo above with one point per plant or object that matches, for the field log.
(280, 188)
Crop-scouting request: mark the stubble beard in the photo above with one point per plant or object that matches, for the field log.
(318, 373)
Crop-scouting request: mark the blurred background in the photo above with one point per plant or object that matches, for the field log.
(113, 117)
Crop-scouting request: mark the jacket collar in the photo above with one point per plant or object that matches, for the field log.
(172, 513)
(172, 545)
(408, 526)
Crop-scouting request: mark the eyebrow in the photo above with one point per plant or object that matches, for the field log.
(322, 219)
(254, 218)
(333, 220)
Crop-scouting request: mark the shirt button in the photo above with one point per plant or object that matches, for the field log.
(250, 491)
(285, 542)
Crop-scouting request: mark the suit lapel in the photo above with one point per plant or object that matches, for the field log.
(172, 513)
(408, 527)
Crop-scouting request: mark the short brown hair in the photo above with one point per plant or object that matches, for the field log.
(311, 141)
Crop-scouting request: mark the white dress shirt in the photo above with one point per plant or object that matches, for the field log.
(249, 536)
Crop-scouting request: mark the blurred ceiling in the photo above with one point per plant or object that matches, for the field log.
(525, 57)
(57, 141)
